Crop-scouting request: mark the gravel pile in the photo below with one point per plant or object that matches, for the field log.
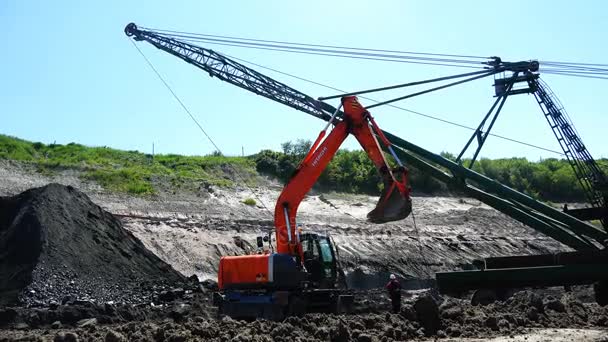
(57, 246)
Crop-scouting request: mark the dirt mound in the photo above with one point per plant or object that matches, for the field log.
(189, 318)
(56, 245)
(541, 308)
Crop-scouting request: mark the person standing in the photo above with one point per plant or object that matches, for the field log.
(394, 291)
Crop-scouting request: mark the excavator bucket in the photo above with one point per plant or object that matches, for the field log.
(393, 204)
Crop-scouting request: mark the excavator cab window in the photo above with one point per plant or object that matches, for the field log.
(319, 259)
(309, 248)
(326, 252)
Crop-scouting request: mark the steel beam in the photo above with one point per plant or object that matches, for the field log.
(490, 185)
(462, 281)
(524, 216)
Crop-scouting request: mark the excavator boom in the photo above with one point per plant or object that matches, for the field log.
(394, 203)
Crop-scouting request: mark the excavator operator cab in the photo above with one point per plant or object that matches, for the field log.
(319, 259)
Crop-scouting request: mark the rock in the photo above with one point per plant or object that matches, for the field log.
(322, 333)
(171, 295)
(556, 305)
(210, 284)
(492, 323)
(341, 333)
(69, 314)
(364, 338)
(33, 318)
(536, 301)
(66, 337)
(165, 296)
(389, 332)
(578, 309)
(408, 312)
(68, 300)
(484, 297)
(84, 302)
(86, 322)
(7, 315)
(448, 303)
(56, 325)
(452, 331)
(21, 326)
(398, 334)
(532, 313)
(178, 292)
(427, 312)
(504, 324)
(179, 312)
(71, 337)
(454, 313)
(476, 320)
(113, 336)
(109, 308)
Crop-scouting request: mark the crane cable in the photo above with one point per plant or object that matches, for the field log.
(425, 260)
(315, 45)
(397, 107)
(202, 36)
(586, 70)
(181, 103)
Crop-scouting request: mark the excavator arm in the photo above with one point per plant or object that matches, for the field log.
(394, 203)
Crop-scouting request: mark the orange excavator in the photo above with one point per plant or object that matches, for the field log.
(303, 275)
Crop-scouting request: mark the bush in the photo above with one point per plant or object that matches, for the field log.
(352, 171)
(249, 201)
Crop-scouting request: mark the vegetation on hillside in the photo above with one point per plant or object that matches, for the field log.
(349, 171)
(352, 171)
(128, 171)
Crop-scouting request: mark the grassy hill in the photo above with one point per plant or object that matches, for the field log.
(349, 171)
(127, 171)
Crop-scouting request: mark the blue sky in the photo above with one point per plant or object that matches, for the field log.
(69, 74)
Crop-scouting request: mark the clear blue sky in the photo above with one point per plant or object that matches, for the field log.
(69, 74)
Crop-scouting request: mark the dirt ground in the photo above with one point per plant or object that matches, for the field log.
(527, 316)
(191, 230)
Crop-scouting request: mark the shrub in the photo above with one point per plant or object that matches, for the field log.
(249, 201)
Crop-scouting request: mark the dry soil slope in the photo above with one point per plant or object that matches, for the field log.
(191, 231)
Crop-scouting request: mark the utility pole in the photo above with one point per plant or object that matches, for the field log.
(243, 150)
